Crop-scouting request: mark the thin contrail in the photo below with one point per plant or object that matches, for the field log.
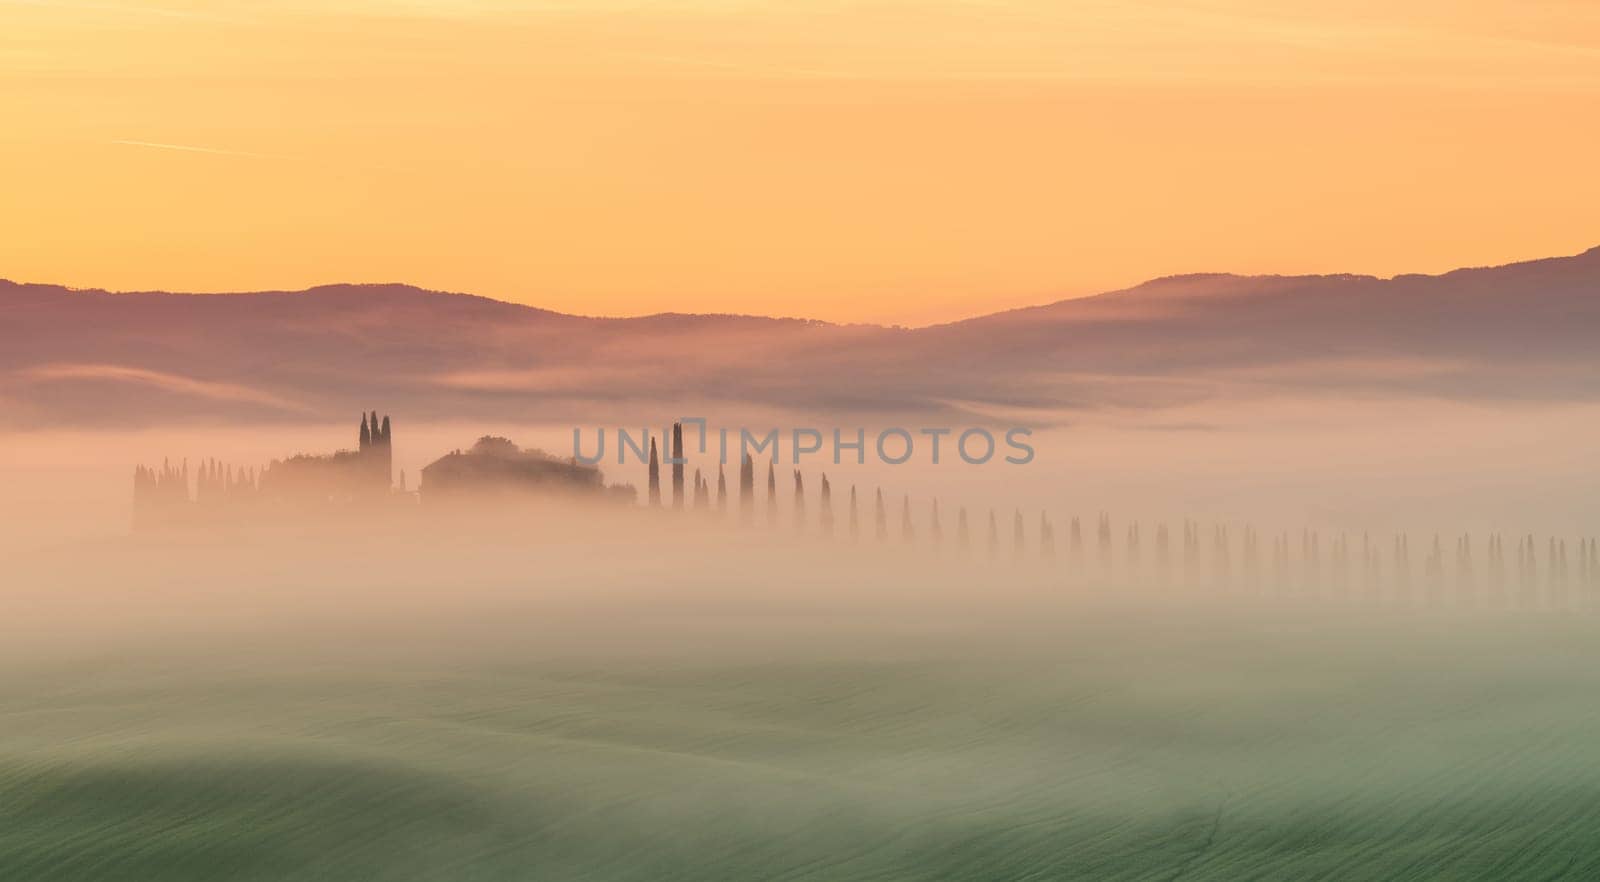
(192, 149)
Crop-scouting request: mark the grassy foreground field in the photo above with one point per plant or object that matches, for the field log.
(1110, 742)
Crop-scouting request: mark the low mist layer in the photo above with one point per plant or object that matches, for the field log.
(647, 698)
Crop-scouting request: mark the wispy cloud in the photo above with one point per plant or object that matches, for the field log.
(169, 382)
(190, 148)
(135, 9)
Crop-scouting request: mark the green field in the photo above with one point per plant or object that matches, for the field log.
(1102, 741)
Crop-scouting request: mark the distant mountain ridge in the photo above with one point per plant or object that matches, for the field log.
(88, 357)
(353, 294)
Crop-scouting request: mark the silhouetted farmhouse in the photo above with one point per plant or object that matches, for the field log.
(498, 467)
(358, 480)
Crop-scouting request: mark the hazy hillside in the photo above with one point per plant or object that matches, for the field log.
(1519, 331)
(1523, 331)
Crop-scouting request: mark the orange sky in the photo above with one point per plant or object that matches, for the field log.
(874, 160)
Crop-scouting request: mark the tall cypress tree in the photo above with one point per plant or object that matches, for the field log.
(677, 465)
(855, 521)
(722, 489)
(747, 489)
(799, 503)
(655, 475)
(881, 518)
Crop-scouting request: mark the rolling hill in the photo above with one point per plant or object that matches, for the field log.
(1524, 331)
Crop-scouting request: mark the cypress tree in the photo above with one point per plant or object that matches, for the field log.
(1017, 542)
(1339, 563)
(1397, 563)
(855, 522)
(1558, 572)
(747, 489)
(1191, 550)
(1550, 574)
(772, 496)
(963, 534)
(799, 503)
(1497, 570)
(936, 533)
(1313, 560)
(1224, 558)
(1522, 567)
(827, 507)
(1366, 563)
(655, 475)
(1433, 570)
(722, 489)
(1594, 570)
(994, 536)
(1531, 575)
(1252, 562)
(1594, 565)
(1285, 569)
(677, 465)
(882, 518)
(1405, 558)
(907, 531)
